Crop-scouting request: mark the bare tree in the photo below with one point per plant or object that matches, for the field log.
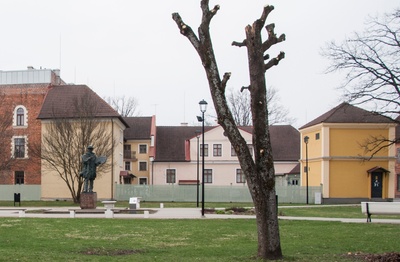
(239, 103)
(126, 107)
(66, 140)
(371, 62)
(260, 173)
(6, 118)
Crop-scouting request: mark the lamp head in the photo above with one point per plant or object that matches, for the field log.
(306, 139)
(203, 106)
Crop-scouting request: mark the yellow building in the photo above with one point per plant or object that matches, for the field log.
(64, 108)
(332, 148)
(139, 141)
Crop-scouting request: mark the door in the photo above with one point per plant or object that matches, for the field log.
(376, 185)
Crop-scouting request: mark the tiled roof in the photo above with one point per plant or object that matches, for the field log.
(61, 101)
(285, 142)
(139, 128)
(170, 142)
(346, 113)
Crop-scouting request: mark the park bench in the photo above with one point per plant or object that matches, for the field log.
(21, 211)
(109, 213)
(380, 208)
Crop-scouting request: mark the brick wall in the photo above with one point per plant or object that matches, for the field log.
(31, 97)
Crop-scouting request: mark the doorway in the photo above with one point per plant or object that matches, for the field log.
(376, 184)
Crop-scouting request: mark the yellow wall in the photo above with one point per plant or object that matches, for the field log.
(346, 142)
(139, 158)
(350, 179)
(314, 174)
(53, 187)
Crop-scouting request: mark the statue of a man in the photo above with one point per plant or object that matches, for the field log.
(90, 163)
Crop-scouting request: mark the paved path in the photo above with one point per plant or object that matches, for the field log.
(167, 213)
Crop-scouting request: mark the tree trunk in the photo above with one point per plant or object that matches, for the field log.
(260, 173)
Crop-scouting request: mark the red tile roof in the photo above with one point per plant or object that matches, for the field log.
(139, 128)
(170, 142)
(62, 101)
(346, 113)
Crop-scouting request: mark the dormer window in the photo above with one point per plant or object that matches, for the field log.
(20, 116)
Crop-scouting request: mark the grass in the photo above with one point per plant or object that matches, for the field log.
(33, 239)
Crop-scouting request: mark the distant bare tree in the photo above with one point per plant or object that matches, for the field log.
(371, 61)
(126, 107)
(6, 118)
(66, 140)
(239, 103)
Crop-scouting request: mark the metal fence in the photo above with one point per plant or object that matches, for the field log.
(27, 192)
(176, 193)
(188, 193)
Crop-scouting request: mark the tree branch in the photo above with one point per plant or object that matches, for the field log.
(274, 61)
(258, 24)
(272, 39)
(225, 80)
(240, 44)
(186, 30)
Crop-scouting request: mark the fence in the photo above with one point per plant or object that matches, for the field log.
(175, 193)
(188, 193)
(27, 192)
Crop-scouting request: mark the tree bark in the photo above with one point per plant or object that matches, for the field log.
(260, 173)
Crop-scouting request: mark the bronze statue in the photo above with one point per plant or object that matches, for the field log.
(90, 162)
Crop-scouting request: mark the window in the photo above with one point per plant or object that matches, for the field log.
(205, 149)
(171, 176)
(127, 165)
(143, 181)
(317, 136)
(217, 150)
(19, 147)
(142, 166)
(233, 153)
(208, 176)
(19, 177)
(20, 117)
(398, 155)
(398, 182)
(142, 149)
(240, 176)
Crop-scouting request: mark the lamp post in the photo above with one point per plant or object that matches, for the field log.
(198, 150)
(306, 142)
(203, 107)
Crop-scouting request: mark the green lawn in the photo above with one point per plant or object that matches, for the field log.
(44, 239)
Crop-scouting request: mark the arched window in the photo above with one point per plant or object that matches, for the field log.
(20, 117)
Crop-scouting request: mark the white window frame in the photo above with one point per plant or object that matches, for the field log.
(15, 116)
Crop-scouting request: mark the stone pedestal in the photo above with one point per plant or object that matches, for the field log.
(88, 200)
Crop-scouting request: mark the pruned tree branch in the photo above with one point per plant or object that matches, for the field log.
(272, 39)
(240, 44)
(225, 80)
(274, 61)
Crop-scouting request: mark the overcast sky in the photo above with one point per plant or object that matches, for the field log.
(134, 48)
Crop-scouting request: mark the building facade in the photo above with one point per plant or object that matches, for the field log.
(21, 97)
(333, 155)
(138, 150)
(179, 155)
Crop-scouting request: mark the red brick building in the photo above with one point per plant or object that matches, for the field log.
(21, 98)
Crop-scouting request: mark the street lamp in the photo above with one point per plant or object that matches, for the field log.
(198, 136)
(203, 107)
(306, 142)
